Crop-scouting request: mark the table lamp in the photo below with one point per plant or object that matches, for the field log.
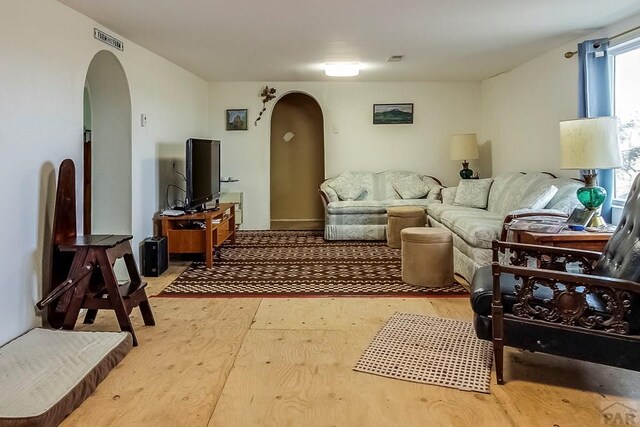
(464, 147)
(590, 144)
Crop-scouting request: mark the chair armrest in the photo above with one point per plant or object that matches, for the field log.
(540, 249)
(549, 257)
(568, 305)
(577, 279)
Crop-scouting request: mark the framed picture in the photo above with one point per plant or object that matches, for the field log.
(237, 119)
(580, 217)
(392, 114)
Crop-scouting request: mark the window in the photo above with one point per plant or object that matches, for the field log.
(627, 109)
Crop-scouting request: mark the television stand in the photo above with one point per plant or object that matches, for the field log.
(219, 227)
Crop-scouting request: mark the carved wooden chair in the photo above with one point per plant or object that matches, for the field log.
(578, 304)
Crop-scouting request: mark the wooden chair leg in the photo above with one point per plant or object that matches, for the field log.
(134, 275)
(74, 301)
(147, 314)
(90, 317)
(113, 293)
(498, 354)
(497, 321)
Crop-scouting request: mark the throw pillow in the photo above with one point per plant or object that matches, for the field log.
(347, 187)
(473, 193)
(433, 187)
(539, 198)
(435, 192)
(448, 195)
(411, 187)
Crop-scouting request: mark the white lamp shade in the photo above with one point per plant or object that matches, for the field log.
(589, 143)
(464, 147)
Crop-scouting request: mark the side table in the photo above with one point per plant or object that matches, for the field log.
(585, 240)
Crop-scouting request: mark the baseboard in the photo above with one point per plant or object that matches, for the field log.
(297, 224)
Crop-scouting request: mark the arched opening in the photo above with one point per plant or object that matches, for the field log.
(107, 161)
(297, 163)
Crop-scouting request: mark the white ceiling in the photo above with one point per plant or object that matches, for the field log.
(289, 40)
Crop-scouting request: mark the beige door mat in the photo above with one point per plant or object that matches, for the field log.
(430, 350)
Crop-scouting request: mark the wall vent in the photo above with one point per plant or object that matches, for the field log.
(106, 38)
(395, 58)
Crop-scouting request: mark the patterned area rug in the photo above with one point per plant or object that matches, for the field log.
(301, 263)
(430, 350)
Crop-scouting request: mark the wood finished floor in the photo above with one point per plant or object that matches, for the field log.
(288, 362)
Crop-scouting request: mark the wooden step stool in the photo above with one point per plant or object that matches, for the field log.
(82, 273)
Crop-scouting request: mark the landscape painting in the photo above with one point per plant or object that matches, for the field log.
(392, 114)
(237, 119)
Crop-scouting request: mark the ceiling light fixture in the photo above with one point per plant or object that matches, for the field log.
(342, 69)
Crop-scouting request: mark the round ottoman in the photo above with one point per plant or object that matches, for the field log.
(399, 217)
(427, 256)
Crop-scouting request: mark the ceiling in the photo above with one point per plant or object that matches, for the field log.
(290, 40)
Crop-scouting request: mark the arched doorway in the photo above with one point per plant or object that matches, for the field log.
(297, 163)
(107, 163)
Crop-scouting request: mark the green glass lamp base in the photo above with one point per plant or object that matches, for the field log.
(592, 197)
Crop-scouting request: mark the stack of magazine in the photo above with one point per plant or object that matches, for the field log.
(537, 226)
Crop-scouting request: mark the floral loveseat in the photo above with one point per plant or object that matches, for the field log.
(356, 202)
(476, 210)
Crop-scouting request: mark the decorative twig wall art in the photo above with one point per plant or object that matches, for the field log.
(267, 95)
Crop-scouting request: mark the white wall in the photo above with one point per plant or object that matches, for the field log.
(46, 50)
(440, 110)
(521, 108)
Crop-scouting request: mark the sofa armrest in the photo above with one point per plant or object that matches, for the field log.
(324, 197)
(528, 213)
(327, 194)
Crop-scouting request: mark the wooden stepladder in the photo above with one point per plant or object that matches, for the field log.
(82, 273)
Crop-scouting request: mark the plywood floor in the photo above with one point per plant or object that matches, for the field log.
(288, 362)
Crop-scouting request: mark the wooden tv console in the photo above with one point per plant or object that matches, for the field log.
(185, 237)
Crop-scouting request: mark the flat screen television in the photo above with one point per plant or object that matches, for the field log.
(202, 173)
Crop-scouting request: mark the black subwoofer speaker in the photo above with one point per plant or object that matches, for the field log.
(154, 256)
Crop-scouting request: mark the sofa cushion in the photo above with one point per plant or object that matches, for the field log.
(411, 202)
(473, 193)
(539, 197)
(565, 199)
(346, 207)
(475, 226)
(517, 189)
(478, 232)
(347, 187)
(501, 183)
(388, 178)
(435, 210)
(411, 187)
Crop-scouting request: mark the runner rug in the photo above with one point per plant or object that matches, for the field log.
(301, 263)
(430, 350)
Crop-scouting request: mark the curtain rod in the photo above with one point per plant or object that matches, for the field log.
(570, 55)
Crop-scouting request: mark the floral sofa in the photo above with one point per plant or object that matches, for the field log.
(356, 202)
(476, 211)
